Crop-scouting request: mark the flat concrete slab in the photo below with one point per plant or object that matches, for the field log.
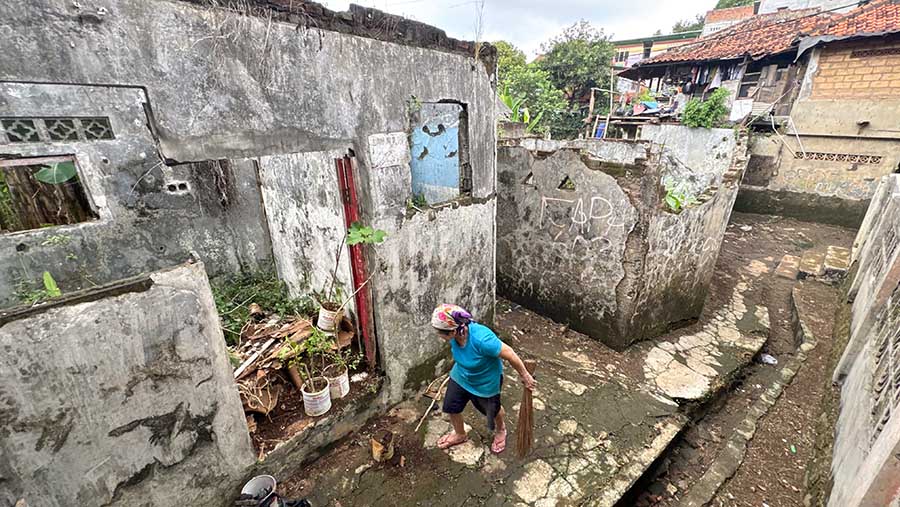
(836, 263)
(789, 267)
(696, 365)
(812, 264)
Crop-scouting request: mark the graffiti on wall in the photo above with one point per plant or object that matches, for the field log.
(579, 226)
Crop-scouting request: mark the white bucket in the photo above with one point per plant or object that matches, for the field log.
(340, 384)
(317, 403)
(260, 487)
(327, 319)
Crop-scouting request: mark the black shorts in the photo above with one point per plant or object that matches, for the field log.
(457, 397)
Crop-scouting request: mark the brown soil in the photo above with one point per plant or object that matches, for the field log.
(288, 418)
(771, 472)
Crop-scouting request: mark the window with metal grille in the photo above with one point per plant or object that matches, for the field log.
(36, 130)
(41, 192)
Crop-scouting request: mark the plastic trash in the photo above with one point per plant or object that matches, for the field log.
(768, 359)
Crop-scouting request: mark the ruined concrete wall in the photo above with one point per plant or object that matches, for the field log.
(561, 250)
(227, 84)
(150, 215)
(682, 248)
(866, 461)
(877, 253)
(121, 396)
(583, 234)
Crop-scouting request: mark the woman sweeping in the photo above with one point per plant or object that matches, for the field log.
(477, 374)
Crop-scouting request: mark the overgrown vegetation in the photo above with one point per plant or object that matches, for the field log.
(689, 25)
(707, 113)
(234, 296)
(555, 90)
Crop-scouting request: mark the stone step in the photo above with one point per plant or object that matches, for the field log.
(789, 267)
(812, 264)
(837, 263)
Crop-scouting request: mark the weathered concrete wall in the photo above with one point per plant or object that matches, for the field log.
(142, 225)
(601, 252)
(121, 396)
(224, 84)
(877, 252)
(866, 460)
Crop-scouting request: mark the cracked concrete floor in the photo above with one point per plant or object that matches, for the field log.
(601, 418)
(597, 428)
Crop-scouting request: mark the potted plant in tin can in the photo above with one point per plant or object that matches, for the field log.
(338, 372)
(306, 364)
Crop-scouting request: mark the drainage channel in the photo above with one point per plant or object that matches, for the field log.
(696, 467)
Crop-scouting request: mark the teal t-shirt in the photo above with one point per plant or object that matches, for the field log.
(478, 366)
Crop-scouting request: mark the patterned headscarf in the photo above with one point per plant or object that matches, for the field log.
(450, 318)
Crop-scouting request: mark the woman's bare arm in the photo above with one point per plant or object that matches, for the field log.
(508, 354)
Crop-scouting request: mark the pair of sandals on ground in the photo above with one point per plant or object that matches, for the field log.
(452, 439)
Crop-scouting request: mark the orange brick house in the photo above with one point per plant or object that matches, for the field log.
(841, 134)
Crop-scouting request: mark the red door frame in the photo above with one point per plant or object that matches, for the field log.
(346, 167)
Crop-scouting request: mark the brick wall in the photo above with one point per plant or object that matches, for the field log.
(860, 70)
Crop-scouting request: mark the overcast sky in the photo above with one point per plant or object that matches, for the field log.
(528, 23)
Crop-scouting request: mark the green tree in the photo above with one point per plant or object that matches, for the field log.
(725, 4)
(529, 83)
(687, 25)
(576, 61)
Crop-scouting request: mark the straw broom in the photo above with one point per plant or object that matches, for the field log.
(525, 427)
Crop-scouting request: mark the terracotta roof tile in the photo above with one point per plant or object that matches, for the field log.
(757, 37)
(877, 17)
(730, 14)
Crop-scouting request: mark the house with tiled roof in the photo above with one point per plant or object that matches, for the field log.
(754, 60)
(841, 133)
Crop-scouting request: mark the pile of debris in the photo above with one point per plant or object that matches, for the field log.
(269, 346)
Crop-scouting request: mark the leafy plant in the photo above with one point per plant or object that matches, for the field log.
(346, 359)
(331, 298)
(50, 285)
(359, 234)
(707, 113)
(26, 294)
(678, 197)
(527, 81)
(56, 173)
(513, 103)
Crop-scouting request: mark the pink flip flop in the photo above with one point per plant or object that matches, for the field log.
(499, 444)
